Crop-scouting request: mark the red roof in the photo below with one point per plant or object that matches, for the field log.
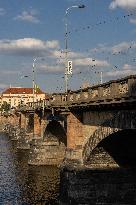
(22, 91)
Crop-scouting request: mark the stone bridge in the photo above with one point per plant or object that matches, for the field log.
(95, 126)
(93, 132)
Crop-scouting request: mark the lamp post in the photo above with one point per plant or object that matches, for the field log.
(66, 43)
(101, 80)
(33, 84)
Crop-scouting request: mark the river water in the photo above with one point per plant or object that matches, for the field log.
(22, 184)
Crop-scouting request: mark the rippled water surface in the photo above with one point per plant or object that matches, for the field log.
(21, 184)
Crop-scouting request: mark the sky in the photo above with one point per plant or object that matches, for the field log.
(100, 38)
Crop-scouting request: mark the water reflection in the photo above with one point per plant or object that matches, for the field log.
(43, 185)
(9, 189)
(21, 184)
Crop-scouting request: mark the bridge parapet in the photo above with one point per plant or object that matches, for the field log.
(111, 91)
(37, 105)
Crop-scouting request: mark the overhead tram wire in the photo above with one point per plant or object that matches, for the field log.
(121, 52)
(100, 23)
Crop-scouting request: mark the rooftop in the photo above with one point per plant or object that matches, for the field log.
(19, 90)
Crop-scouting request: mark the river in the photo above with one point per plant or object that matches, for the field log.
(22, 184)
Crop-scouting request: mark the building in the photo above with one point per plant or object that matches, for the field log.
(16, 96)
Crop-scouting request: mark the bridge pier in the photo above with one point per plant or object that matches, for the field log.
(32, 126)
(23, 136)
(22, 122)
(74, 138)
(37, 125)
(50, 149)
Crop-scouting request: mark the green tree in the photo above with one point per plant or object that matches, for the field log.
(5, 106)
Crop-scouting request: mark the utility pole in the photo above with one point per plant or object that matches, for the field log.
(66, 43)
(33, 84)
(101, 80)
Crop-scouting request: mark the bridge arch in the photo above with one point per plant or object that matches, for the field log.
(123, 120)
(55, 131)
(116, 150)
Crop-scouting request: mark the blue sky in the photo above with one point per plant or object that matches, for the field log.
(101, 38)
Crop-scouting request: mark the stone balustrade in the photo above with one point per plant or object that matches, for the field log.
(111, 91)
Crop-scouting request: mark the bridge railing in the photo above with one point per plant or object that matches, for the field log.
(39, 104)
(115, 90)
(111, 91)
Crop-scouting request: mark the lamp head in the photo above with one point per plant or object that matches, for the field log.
(81, 6)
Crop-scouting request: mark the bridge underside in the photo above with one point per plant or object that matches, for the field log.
(116, 150)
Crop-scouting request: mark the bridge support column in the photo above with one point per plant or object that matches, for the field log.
(37, 125)
(22, 121)
(43, 125)
(74, 137)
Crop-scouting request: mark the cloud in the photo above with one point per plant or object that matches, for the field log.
(29, 16)
(115, 49)
(8, 72)
(123, 46)
(78, 65)
(128, 67)
(124, 4)
(120, 73)
(132, 21)
(126, 70)
(100, 48)
(90, 62)
(2, 12)
(27, 47)
(61, 53)
(46, 68)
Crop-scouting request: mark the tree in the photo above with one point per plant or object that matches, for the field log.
(5, 106)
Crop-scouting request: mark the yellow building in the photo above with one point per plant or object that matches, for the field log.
(16, 96)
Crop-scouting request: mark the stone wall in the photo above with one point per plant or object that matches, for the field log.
(121, 120)
(74, 130)
(95, 186)
(92, 120)
(9, 119)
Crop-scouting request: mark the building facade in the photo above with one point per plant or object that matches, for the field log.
(16, 96)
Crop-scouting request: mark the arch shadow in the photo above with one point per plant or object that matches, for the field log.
(55, 131)
(119, 147)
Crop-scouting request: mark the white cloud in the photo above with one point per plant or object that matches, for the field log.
(90, 62)
(123, 47)
(124, 4)
(2, 12)
(29, 16)
(61, 53)
(8, 72)
(126, 70)
(120, 73)
(128, 67)
(78, 65)
(46, 68)
(100, 48)
(27, 46)
(132, 21)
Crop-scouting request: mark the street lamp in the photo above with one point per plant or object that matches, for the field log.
(33, 77)
(33, 84)
(66, 43)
